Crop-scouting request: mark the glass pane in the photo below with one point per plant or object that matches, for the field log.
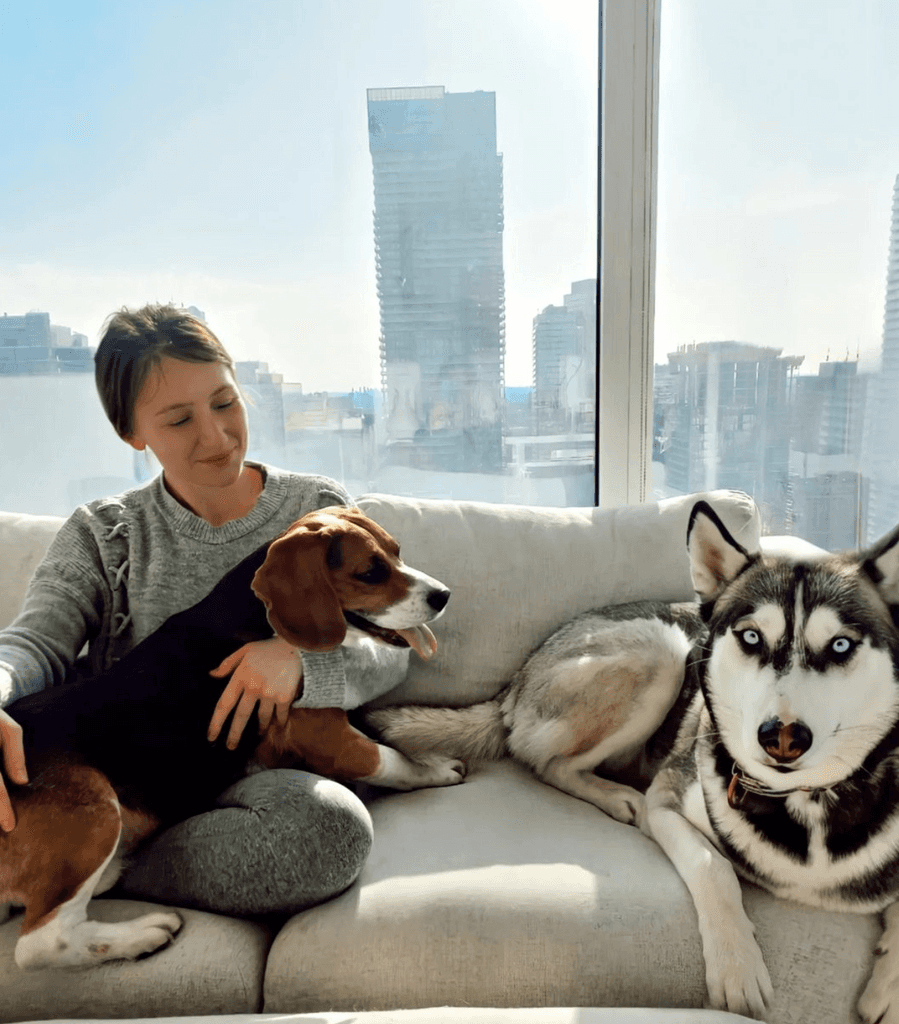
(386, 211)
(777, 303)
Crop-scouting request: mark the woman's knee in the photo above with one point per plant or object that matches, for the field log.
(314, 828)
(277, 841)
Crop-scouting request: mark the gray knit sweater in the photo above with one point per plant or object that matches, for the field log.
(120, 566)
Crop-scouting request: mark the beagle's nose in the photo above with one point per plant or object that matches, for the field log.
(437, 599)
(784, 742)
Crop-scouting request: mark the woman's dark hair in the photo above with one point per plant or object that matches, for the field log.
(134, 342)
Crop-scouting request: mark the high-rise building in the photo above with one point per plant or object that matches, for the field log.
(555, 338)
(728, 424)
(438, 224)
(828, 492)
(882, 429)
(30, 344)
(564, 349)
(29, 331)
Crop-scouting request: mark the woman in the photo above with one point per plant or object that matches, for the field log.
(276, 841)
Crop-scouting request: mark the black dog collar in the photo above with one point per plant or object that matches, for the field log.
(741, 784)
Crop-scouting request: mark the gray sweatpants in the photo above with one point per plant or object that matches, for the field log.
(277, 841)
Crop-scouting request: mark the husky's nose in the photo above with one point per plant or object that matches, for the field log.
(437, 599)
(784, 742)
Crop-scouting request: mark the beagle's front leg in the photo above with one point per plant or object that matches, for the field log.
(324, 740)
(880, 999)
(736, 976)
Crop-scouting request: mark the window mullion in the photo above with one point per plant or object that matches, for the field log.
(629, 64)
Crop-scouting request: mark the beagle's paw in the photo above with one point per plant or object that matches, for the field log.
(441, 771)
(396, 771)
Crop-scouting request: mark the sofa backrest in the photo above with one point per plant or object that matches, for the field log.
(23, 541)
(519, 572)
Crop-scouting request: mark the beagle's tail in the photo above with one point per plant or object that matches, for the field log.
(472, 734)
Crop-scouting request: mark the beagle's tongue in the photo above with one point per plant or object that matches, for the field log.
(421, 640)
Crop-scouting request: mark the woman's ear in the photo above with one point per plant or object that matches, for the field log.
(136, 442)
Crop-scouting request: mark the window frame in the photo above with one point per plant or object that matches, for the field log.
(627, 189)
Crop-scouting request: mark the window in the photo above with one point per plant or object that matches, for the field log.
(777, 299)
(386, 211)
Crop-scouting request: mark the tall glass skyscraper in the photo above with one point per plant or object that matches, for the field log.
(438, 224)
(882, 433)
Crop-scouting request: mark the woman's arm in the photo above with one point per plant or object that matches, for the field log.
(59, 613)
(62, 610)
(277, 676)
(267, 672)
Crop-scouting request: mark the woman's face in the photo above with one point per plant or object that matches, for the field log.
(193, 419)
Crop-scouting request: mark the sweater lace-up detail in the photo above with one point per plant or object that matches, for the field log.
(117, 566)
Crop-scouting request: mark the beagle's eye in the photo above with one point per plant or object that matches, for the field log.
(378, 572)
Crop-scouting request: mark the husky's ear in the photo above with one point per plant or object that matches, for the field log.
(716, 559)
(881, 563)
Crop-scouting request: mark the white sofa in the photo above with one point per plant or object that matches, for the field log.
(492, 897)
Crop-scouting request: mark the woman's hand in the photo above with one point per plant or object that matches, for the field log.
(13, 764)
(265, 672)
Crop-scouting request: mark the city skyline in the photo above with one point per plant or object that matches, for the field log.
(241, 182)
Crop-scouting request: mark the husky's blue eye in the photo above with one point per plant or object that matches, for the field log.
(841, 647)
(750, 637)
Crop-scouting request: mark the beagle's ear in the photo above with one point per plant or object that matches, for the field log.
(295, 585)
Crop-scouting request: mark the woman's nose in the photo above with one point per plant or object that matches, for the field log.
(211, 430)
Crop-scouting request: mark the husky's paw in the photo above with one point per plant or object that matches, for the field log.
(880, 1000)
(628, 808)
(738, 980)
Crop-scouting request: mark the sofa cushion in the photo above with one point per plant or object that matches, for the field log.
(466, 1015)
(24, 540)
(518, 572)
(215, 965)
(506, 892)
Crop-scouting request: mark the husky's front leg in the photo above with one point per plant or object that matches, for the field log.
(735, 972)
(880, 1000)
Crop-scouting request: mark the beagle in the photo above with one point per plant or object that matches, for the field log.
(114, 759)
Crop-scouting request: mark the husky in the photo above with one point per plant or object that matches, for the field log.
(753, 733)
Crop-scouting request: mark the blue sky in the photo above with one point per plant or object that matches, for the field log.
(216, 154)
(778, 151)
